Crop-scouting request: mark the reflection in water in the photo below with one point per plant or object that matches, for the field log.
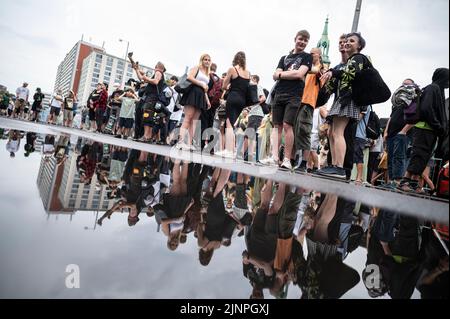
(293, 236)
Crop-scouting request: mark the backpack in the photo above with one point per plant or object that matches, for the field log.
(355, 234)
(411, 112)
(373, 126)
(216, 91)
(368, 86)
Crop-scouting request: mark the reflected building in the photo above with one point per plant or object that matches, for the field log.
(62, 192)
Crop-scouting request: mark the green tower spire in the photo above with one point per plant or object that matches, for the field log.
(324, 44)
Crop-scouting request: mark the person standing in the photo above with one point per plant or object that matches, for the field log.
(100, 106)
(176, 110)
(255, 117)
(194, 101)
(153, 87)
(36, 108)
(238, 79)
(304, 120)
(344, 108)
(290, 74)
(68, 105)
(397, 131)
(433, 125)
(55, 107)
(22, 95)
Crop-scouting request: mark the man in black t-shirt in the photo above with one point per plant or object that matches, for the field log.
(396, 138)
(36, 107)
(290, 74)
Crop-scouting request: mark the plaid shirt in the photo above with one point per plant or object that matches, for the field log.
(102, 101)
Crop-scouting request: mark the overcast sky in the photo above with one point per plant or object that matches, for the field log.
(405, 38)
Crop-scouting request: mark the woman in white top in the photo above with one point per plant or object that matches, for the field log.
(195, 100)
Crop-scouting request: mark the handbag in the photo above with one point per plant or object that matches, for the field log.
(183, 86)
(222, 111)
(251, 97)
(368, 87)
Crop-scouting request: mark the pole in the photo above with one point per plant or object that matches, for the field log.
(124, 63)
(124, 67)
(356, 17)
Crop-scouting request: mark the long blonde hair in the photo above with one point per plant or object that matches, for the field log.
(200, 64)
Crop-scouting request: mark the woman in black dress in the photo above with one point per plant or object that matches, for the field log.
(238, 79)
(194, 101)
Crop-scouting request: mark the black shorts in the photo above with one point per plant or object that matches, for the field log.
(148, 113)
(254, 122)
(285, 109)
(126, 122)
(358, 152)
(121, 156)
(55, 110)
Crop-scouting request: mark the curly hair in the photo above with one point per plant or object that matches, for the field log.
(239, 59)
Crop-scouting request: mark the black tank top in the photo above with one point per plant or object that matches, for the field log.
(151, 90)
(239, 85)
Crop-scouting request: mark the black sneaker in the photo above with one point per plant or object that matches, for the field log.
(339, 172)
(325, 170)
(334, 171)
(301, 169)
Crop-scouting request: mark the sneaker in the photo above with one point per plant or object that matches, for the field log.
(286, 164)
(337, 172)
(220, 153)
(229, 154)
(325, 170)
(194, 148)
(269, 161)
(301, 169)
(183, 146)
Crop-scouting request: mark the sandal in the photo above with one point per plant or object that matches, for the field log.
(407, 185)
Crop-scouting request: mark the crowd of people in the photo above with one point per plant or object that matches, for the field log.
(292, 126)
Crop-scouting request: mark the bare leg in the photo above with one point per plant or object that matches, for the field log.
(275, 140)
(339, 146)
(278, 200)
(222, 181)
(288, 140)
(229, 137)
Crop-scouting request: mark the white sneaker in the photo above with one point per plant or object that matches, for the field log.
(269, 161)
(220, 153)
(286, 164)
(182, 146)
(229, 154)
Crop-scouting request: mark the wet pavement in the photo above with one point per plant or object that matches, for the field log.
(56, 195)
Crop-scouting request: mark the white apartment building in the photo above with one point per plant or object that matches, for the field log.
(68, 73)
(104, 68)
(75, 195)
(62, 192)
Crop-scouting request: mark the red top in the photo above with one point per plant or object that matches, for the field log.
(102, 101)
